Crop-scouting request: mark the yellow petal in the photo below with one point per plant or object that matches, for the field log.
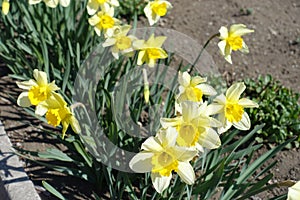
(140, 59)
(75, 125)
(5, 7)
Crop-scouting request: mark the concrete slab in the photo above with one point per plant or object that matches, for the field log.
(14, 182)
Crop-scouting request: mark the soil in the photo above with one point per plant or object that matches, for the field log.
(274, 49)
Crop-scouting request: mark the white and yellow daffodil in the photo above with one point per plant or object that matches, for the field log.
(230, 108)
(94, 5)
(156, 9)
(294, 192)
(194, 126)
(193, 88)
(104, 21)
(52, 3)
(57, 112)
(161, 156)
(5, 7)
(119, 41)
(38, 90)
(150, 50)
(232, 40)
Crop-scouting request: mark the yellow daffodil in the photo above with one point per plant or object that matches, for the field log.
(5, 7)
(150, 50)
(120, 42)
(156, 9)
(103, 21)
(161, 156)
(194, 126)
(193, 88)
(294, 192)
(94, 5)
(52, 3)
(38, 90)
(57, 112)
(232, 40)
(230, 108)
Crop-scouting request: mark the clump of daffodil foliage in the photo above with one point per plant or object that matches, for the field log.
(279, 110)
(191, 153)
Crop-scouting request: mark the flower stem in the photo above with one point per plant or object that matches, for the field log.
(203, 48)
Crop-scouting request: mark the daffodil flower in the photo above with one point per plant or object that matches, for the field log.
(103, 21)
(57, 112)
(52, 3)
(150, 50)
(38, 90)
(161, 156)
(120, 42)
(193, 88)
(232, 40)
(5, 7)
(194, 126)
(294, 192)
(156, 9)
(94, 5)
(230, 108)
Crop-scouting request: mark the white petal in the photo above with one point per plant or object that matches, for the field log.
(167, 137)
(234, 92)
(170, 122)
(190, 110)
(239, 29)
(26, 85)
(92, 7)
(184, 154)
(207, 89)
(247, 103)
(244, 48)
(23, 100)
(213, 109)
(222, 46)
(51, 3)
(152, 144)
(244, 123)
(221, 99)
(226, 126)
(223, 32)
(64, 3)
(94, 20)
(40, 77)
(34, 1)
(109, 42)
(41, 110)
(184, 79)
(186, 172)
(294, 192)
(141, 162)
(159, 182)
(209, 139)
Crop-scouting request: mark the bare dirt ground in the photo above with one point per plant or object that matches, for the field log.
(274, 49)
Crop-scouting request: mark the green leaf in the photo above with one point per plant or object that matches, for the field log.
(52, 190)
(55, 154)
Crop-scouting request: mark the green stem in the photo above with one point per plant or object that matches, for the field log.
(203, 48)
